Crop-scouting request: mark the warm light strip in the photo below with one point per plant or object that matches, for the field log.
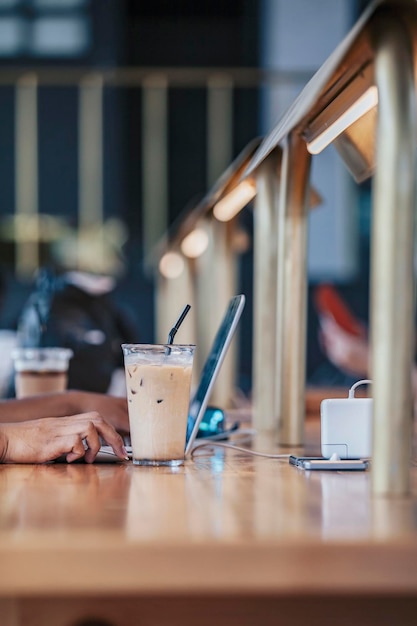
(195, 243)
(171, 265)
(229, 206)
(365, 103)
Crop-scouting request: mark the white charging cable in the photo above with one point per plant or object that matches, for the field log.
(365, 381)
(217, 444)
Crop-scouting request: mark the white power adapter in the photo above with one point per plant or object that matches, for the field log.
(346, 426)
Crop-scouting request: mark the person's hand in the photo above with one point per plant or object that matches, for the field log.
(112, 409)
(46, 439)
(348, 352)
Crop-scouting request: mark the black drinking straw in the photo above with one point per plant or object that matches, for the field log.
(176, 326)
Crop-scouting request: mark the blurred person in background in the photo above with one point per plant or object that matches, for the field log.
(344, 340)
(77, 309)
(8, 341)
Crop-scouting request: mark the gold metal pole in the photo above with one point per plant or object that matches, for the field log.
(155, 159)
(295, 174)
(266, 339)
(219, 125)
(26, 189)
(392, 291)
(172, 294)
(215, 284)
(90, 170)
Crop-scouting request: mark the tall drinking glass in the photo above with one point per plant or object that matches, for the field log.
(40, 370)
(158, 381)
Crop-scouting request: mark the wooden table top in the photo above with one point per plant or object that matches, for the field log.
(225, 522)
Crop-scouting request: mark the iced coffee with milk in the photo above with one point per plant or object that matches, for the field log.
(158, 382)
(40, 370)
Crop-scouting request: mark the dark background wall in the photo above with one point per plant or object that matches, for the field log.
(184, 33)
(146, 33)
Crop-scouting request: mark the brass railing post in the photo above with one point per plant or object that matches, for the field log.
(26, 179)
(155, 158)
(266, 379)
(216, 282)
(90, 170)
(219, 125)
(295, 173)
(392, 260)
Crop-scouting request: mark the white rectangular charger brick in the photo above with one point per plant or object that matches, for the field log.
(346, 427)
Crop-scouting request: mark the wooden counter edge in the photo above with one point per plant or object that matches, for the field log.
(289, 568)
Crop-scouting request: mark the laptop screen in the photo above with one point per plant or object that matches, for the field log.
(212, 366)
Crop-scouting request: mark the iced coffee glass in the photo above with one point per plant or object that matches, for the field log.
(158, 381)
(40, 370)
